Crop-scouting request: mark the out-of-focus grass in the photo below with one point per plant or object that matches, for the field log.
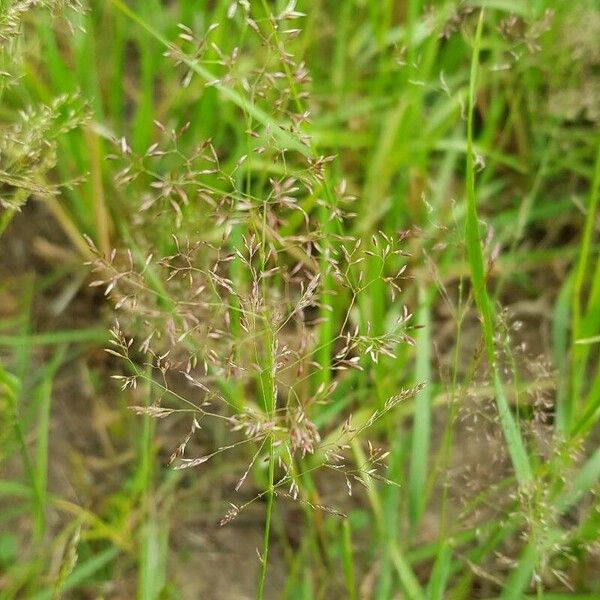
(451, 136)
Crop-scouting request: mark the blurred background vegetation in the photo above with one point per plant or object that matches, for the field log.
(502, 214)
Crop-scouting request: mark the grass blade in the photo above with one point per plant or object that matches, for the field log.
(419, 456)
(514, 441)
(44, 391)
(436, 587)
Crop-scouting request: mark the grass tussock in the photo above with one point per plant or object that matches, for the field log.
(299, 300)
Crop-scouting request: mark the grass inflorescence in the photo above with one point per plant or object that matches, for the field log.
(299, 299)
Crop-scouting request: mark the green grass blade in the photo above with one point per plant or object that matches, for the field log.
(512, 434)
(520, 576)
(348, 561)
(580, 352)
(44, 392)
(436, 588)
(583, 482)
(419, 456)
(560, 342)
(153, 552)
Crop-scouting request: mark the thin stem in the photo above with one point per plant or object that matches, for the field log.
(267, 381)
(268, 389)
(267, 531)
(348, 561)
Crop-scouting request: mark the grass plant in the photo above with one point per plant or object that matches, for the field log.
(299, 299)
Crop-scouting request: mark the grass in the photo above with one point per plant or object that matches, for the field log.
(467, 133)
(510, 429)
